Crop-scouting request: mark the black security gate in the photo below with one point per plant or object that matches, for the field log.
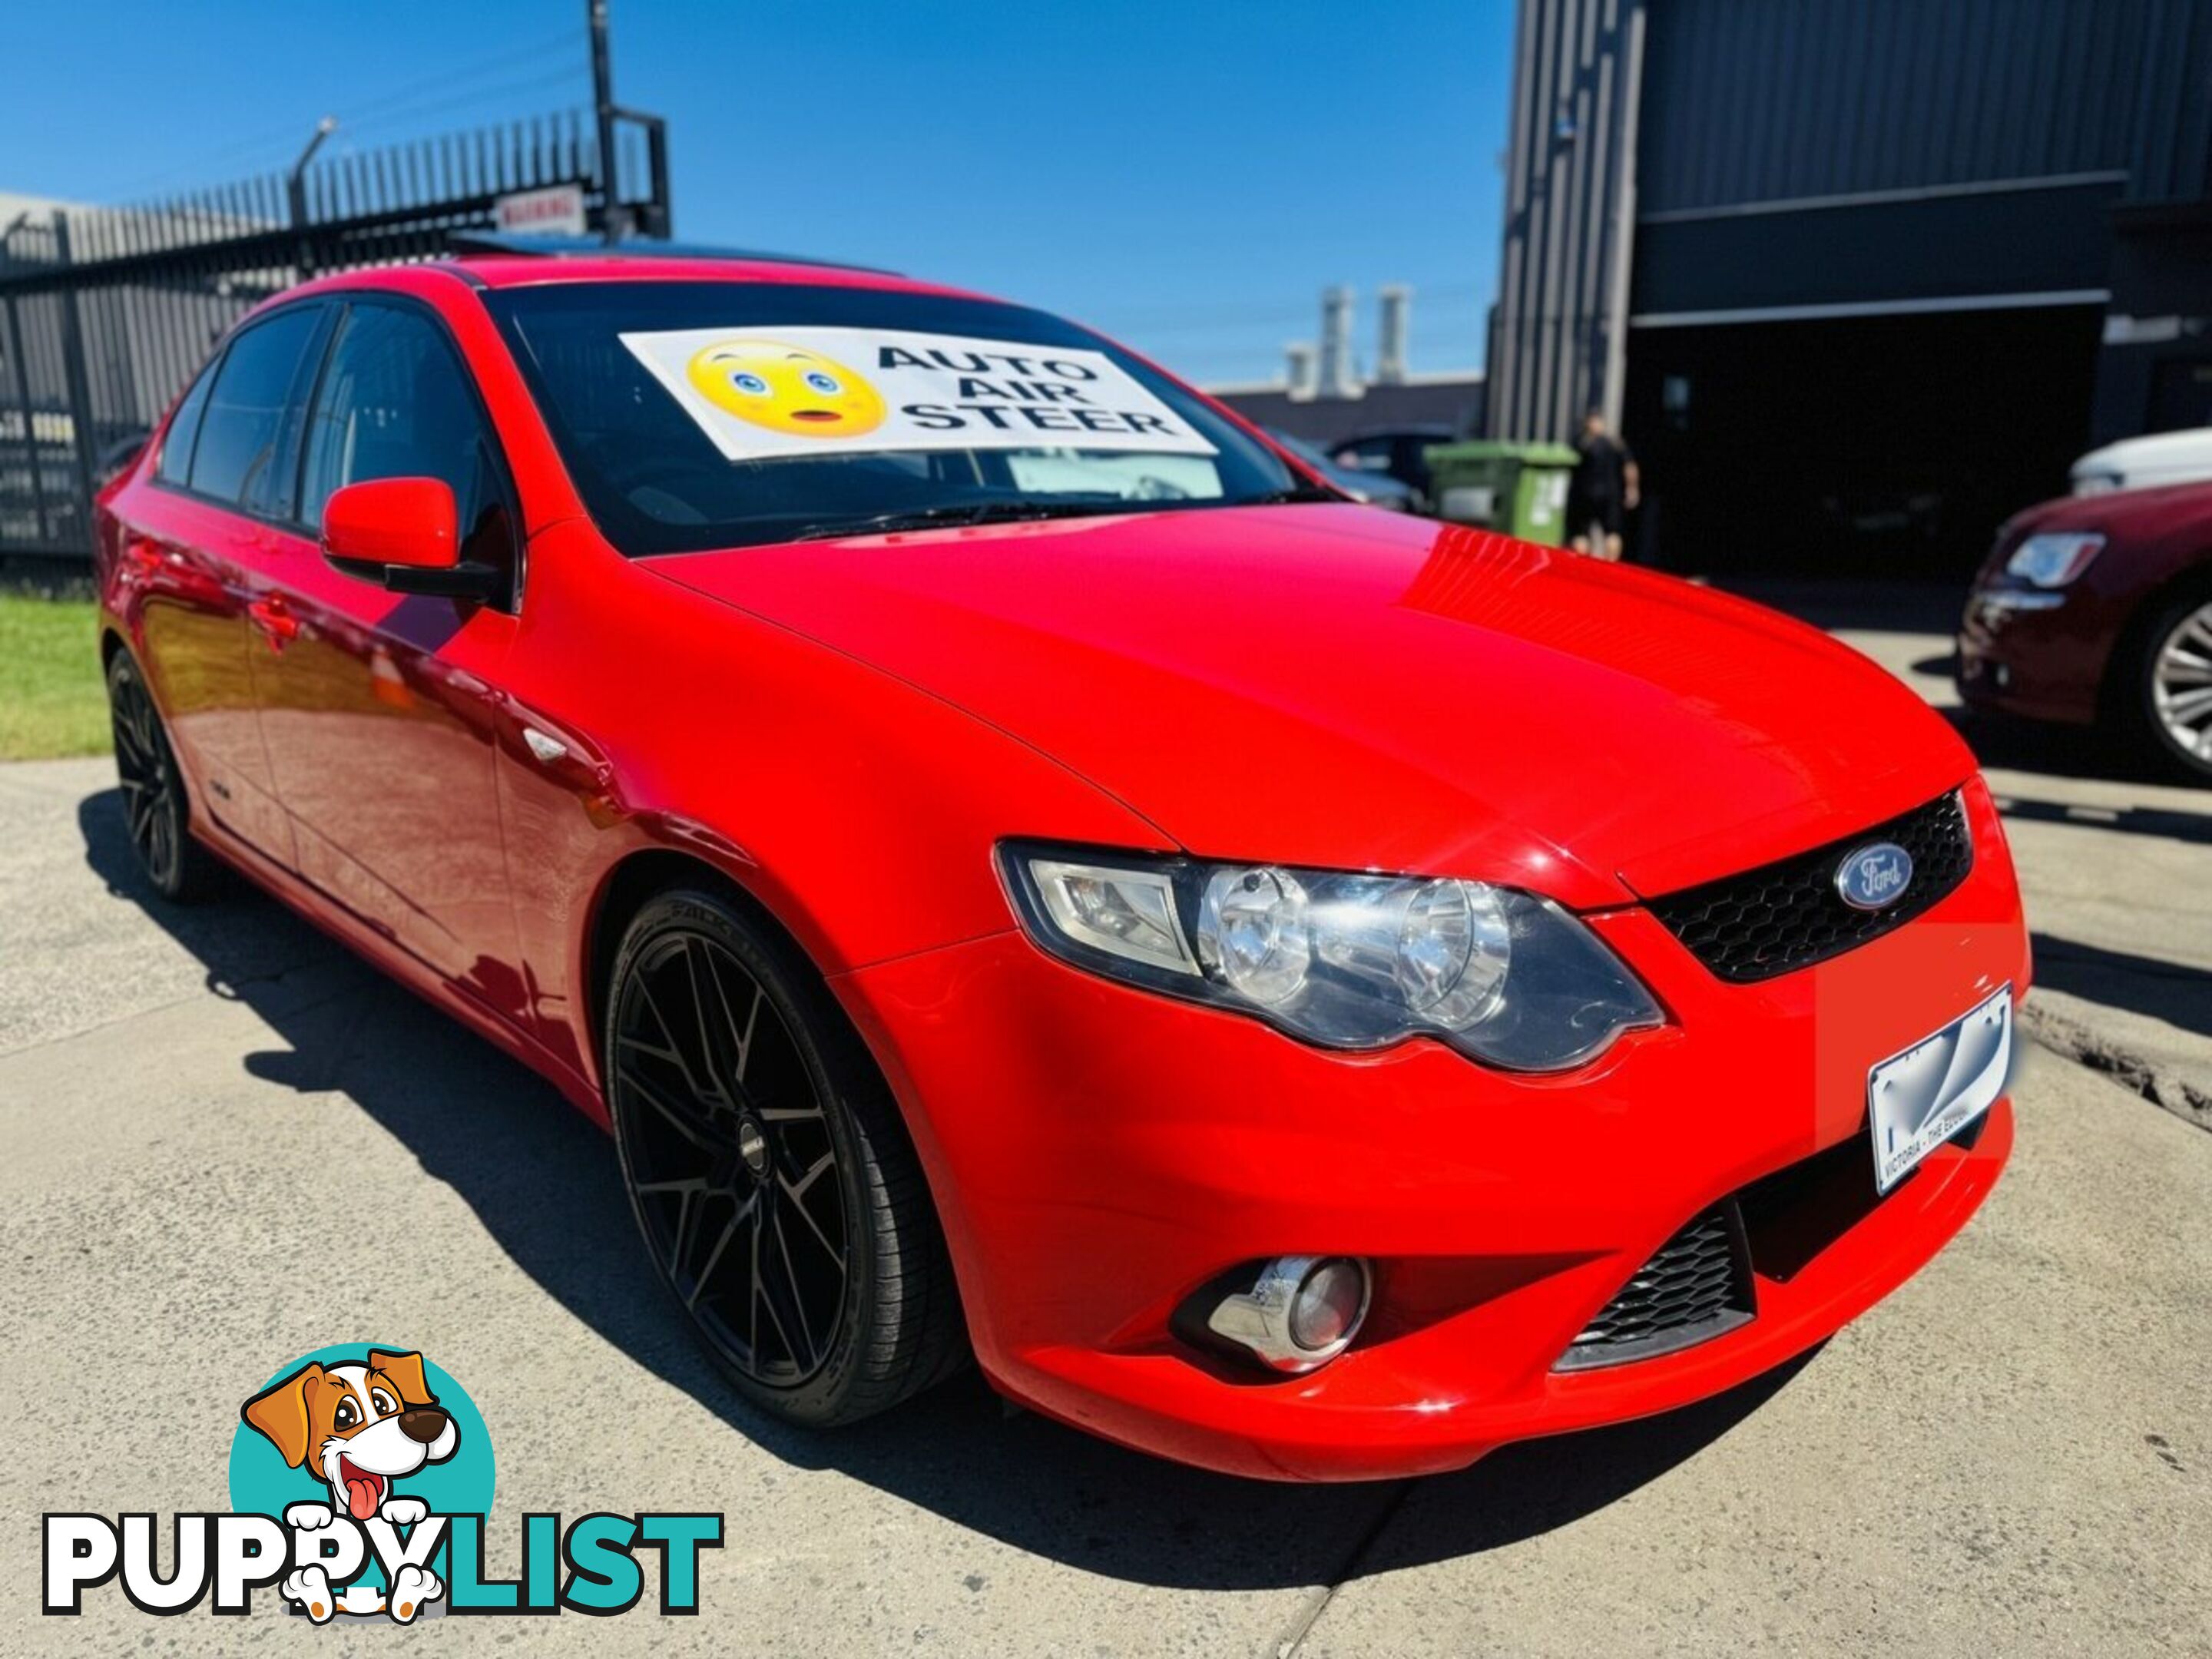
(106, 312)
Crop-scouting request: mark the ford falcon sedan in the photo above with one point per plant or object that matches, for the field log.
(1023, 869)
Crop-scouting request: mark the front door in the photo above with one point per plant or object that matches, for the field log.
(378, 708)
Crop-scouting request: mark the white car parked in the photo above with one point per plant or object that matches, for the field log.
(2164, 458)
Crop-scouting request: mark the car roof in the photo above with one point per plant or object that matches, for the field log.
(539, 262)
(2192, 443)
(484, 260)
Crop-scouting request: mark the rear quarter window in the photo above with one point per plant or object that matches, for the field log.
(174, 463)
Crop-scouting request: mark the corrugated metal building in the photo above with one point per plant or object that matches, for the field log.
(1858, 277)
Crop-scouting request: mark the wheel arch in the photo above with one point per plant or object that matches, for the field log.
(2191, 579)
(628, 885)
(642, 874)
(119, 638)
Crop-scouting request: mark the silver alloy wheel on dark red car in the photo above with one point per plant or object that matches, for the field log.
(2177, 684)
(779, 1198)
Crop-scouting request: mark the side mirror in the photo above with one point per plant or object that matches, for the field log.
(403, 534)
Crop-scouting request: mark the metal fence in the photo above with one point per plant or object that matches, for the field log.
(106, 312)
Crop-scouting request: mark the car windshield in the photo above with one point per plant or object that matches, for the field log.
(721, 414)
(1298, 447)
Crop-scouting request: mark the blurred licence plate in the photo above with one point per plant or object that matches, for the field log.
(1918, 1100)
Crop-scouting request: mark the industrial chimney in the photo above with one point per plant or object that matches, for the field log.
(1395, 331)
(1337, 380)
(1298, 370)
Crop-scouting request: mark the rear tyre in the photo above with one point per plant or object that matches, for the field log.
(2171, 703)
(154, 810)
(769, 1170)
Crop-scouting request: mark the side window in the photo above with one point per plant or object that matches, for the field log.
(395, 402)
(175, 464)
(245, 412)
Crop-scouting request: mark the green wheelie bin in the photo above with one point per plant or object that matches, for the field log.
(1517, 489)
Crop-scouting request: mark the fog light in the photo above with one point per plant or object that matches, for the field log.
(1301, 1312)
(1329, 1304)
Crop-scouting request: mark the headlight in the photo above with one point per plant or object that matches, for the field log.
(2053, 561)
(1345, 961)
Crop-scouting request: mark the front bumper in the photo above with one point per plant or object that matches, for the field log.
(2037, 653)
(1097, 1153)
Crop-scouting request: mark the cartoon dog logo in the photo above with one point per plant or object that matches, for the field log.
(786, 389)
(357, 1428)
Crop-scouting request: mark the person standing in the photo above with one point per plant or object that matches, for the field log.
(1604, 489)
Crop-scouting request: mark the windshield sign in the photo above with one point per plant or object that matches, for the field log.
(698, 415)
(819, 391)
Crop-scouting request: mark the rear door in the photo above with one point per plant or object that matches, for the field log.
(192, 541)
(381, 710)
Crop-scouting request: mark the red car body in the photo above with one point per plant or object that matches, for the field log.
(2060, 654)
(899, 704)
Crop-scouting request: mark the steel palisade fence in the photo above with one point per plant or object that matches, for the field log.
(107, 312)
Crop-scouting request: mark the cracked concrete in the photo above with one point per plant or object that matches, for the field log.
(2133, 1062)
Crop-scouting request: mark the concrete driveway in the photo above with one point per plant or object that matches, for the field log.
(228, 1143)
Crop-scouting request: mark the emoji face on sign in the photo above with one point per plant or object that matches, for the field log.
(786, 389)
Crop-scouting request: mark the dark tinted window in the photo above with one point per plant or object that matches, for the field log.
(246, 411)
(176, 462)
(395, 402)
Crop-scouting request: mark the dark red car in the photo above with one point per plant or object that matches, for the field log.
(2097, 608)
(1019, 867)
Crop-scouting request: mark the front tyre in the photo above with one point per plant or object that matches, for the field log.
(2173, 689)
(770, 1173)
(155, 811)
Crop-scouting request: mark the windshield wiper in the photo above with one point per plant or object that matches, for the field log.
(959, 513)
(949, 514)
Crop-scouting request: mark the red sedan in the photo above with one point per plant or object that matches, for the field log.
(2097, 608)
(1021, 868)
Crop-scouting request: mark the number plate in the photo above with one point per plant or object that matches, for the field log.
(1918, 1100)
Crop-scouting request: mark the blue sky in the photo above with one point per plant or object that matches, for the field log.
(1185, 175)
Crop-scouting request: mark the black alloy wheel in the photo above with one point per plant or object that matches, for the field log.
(769, 1170)
(153, 804)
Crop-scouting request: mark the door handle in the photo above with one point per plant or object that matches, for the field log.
(274, 620)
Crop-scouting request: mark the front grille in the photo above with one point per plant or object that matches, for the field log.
(1696, 1287)
(1788, 915)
